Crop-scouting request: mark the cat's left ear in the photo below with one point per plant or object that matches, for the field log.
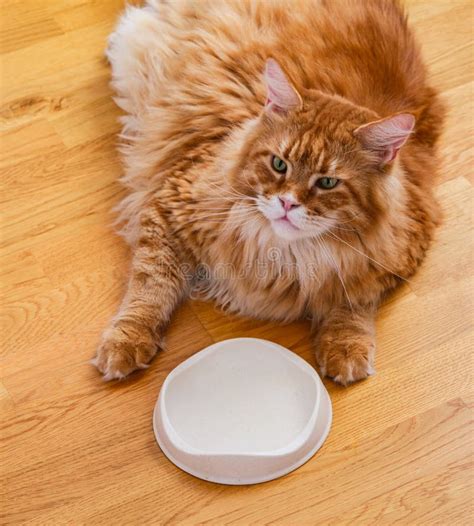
(385, 137)
(281, 94)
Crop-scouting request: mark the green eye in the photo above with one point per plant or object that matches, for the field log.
(326, 183)
(279, 165)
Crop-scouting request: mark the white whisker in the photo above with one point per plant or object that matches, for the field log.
(332, 234)
(328, 253)
(232, 192)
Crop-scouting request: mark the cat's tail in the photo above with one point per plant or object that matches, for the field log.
(137, 65)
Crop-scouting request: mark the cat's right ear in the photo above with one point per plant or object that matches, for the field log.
(281, 94)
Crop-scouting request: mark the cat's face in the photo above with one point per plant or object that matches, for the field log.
(303, 184)
(308, 170)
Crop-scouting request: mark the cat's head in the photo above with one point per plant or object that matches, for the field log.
(316, 162)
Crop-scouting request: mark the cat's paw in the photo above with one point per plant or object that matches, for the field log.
(123, 351)
(346, 362)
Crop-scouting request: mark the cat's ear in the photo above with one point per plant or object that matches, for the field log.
(385, 137)
(281, 94)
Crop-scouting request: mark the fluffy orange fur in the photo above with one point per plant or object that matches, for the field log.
(264, 148)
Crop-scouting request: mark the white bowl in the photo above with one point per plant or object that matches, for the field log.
(242, 411)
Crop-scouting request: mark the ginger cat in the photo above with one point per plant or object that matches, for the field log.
(286, 147)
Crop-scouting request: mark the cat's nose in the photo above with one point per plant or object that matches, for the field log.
(288, 203)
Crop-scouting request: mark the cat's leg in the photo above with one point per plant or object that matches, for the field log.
(156, 285)
(345, 345)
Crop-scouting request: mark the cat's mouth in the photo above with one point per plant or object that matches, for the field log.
(286, 221)
(285, 228)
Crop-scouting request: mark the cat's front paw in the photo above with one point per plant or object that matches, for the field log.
(345, 361)
(124, 350)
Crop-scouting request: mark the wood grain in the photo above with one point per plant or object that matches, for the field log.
(77, 451)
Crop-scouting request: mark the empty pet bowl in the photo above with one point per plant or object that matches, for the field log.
(242, 411)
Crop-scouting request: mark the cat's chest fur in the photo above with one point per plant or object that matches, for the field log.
(269, 281)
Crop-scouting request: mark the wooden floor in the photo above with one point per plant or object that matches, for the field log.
(76, 450)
